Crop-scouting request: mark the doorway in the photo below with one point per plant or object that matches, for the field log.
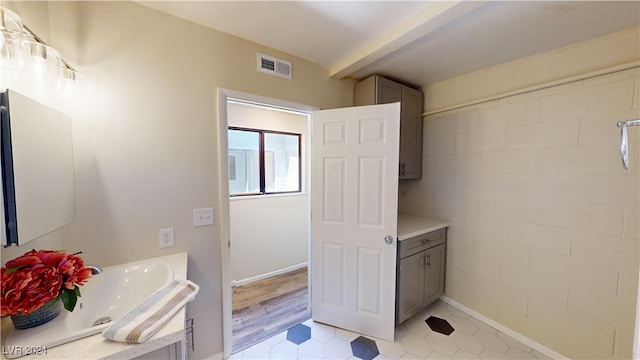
(267, 307)
(249, 222)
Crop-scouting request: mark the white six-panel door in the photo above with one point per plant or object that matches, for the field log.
(354, 208)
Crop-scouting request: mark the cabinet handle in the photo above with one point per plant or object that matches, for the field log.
(429, 260)
(402, 168)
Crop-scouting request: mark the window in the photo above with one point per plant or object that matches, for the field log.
(263, 162)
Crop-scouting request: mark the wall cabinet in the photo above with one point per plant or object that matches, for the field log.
(379, 90)
(420, 272)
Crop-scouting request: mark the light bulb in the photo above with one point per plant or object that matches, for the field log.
(11, 30)
(42, 61)
(66, 81)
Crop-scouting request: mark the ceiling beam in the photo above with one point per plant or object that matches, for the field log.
(434, 16)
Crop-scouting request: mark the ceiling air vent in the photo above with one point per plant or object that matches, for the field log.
(270, 65)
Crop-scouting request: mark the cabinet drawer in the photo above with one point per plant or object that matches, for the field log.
(419, 243)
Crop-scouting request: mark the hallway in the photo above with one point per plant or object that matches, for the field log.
(267, 307)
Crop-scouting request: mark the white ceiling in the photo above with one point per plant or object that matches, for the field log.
(419, 42)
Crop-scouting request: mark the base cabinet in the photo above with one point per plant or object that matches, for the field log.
(420, 273)
(410, 293)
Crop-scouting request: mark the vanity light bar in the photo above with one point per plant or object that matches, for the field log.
(42, 51)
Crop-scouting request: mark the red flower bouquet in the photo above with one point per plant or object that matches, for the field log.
(31, 280)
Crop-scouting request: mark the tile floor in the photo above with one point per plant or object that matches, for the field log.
(415, 339)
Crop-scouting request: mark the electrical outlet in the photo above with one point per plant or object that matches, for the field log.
(166, 238)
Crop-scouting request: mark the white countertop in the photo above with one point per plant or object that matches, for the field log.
(98, 347)
(412, 225)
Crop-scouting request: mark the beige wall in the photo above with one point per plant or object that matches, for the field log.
(145, 130)
(544, 219)
(611, 50)
(544, 235)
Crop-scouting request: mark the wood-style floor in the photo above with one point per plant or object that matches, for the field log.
(267, 307)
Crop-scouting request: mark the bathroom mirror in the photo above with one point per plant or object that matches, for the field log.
(37, 169)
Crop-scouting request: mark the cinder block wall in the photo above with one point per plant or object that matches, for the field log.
(544, 234)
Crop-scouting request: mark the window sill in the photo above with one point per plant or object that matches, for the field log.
(265, 196)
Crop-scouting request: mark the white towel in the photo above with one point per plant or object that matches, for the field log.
(147, 318)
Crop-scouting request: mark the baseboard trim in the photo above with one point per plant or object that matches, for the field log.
(514, 334)
(269, 274)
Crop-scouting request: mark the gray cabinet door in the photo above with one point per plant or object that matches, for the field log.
(411, 134)
(420, 272)
(388, 91)
(434, 274)
(411, 280)
(379, 90)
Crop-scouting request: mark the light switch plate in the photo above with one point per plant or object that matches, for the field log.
(202, 217)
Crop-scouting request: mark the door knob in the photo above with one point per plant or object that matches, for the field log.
(388, 239)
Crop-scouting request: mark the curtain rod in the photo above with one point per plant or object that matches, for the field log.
(609, 70)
